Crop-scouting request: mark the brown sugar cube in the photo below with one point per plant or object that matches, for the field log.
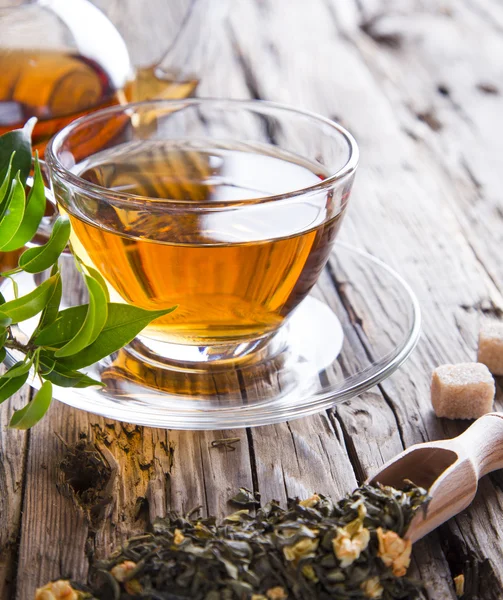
(462, 391)
(491, 346)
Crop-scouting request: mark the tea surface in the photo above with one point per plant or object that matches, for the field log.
(235, 274)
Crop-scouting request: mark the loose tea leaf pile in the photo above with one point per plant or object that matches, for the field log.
(313, 549)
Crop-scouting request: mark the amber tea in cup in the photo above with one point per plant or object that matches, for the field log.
(228, 209)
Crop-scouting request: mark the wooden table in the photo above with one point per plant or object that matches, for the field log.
(420, 84)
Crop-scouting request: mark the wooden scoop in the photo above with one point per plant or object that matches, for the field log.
(448, 469)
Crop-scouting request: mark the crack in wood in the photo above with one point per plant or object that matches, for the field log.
(392, 407)
(481, 262)
(480, 579)
(412, 134)
(253, 462)
(488, 88)
(390, 39)
(285, 486)
(169, 450)
(351, 448)
(471, 175)
(429, 117)
(203, 474)
(249, 437)
(249, 76)
(293, 443)
(485, 306)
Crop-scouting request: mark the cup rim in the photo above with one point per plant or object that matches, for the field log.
(125, 198)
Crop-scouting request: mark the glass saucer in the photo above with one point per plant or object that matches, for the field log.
(358, 325)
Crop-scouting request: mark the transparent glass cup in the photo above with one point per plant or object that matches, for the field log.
(226, 208)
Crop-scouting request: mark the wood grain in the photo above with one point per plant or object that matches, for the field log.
(401, 189)
(419, 84)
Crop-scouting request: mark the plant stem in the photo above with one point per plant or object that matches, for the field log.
(13, 344)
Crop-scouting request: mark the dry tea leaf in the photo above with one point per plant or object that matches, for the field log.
(276, 554)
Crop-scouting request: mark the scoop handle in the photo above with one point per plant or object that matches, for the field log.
(480, 451)
(482, 443)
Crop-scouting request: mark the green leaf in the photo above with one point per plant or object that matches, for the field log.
(5, 187)
(51, 310)
(123, 324)
(3, 339)
(18, 141)
(59, 375)
(31, 304)
(99, 278)
(20, 368)
(14, 212)
(31, 414)
(5, 320)
(41, 258)
(10, 385)
(74, 379)
(35, 209)
(15, 285)
(94, 322)
(64, 328)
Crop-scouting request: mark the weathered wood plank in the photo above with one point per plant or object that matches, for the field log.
(13, 453)
(302, 457)
(452, 105)
(54, 532)
(404, 207)
(13, 448)
(458, 142)
(221, 471)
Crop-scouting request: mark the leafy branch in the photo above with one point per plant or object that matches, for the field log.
(64, 341)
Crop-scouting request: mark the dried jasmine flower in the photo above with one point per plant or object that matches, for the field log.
(394, 551)
(57, 590)
(348, 547)
(352, 539)
(372, 588)
(310, 502)
(459, 585)
(178, 537)
(304, 548)
(122, 570)
(276, 593)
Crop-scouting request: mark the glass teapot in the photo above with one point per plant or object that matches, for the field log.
(60, 59)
